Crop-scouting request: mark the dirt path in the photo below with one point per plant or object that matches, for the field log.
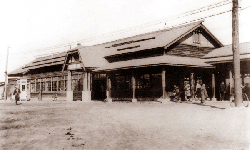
(96, 125)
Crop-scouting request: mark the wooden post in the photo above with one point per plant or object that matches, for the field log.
(51, 82)
(41, 84)
(163, 83)
(88, 81)
(69, 89)
(108, 90)
(230, 82)
(86, 93)
(57, 84)
(192, 85)
(213, 88)
(35, 85)
(69, 81)
(6, 76)
(236, 54)
(85, 80)
(133, 86)
(91, 82)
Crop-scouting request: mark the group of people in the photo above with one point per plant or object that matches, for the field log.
(224, 90)
(200, 92)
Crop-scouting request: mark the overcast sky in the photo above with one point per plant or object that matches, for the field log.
(30, 26)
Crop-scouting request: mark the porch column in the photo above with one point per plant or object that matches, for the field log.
(163, 83)
(57, 84)
(35, 85)
(89, 81)
(213, 88)
(133, 86)
(192, 85)
(108, 90)
(86, 93)
(69, 89)
(230, 82)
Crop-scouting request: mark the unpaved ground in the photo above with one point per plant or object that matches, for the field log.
(148, 125)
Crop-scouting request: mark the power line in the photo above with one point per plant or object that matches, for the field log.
(195, 20)
(192, 12)
(202, 18)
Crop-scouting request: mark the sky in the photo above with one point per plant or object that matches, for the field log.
(34, 28)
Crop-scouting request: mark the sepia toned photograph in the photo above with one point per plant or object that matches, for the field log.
(125, 75)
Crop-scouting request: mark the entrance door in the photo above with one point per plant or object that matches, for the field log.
(99, 90)
(23, 89)
(77, 89)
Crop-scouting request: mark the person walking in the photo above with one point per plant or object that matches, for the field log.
(222, 91)
(203, 93)
(17, 94)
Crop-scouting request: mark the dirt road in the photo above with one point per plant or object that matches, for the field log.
(148, 125)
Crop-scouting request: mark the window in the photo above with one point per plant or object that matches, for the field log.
(23, 87)
(37, 86)
(122, 82)
(143, 81)
(32, 87)
(54, 83)
(48, 84)
(196, 37)
(54, 86)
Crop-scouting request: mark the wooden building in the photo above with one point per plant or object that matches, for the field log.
(222, 59)
(142, 67)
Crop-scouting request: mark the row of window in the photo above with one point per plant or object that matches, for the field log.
(49, 84)
(146, 81)
(56, 83)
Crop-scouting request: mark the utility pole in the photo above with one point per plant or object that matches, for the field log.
(6, 75)
(236, 54)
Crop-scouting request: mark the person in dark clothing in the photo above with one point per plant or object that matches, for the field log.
(203, 93)
(222, 91)
(198, 90)
(17, 94)
(176, 93)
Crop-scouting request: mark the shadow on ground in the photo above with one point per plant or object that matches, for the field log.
(201, 104)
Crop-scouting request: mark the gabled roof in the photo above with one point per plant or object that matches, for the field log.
(51, 60)
(17, 72)
(225, 54)
(156, 61)
(162, 38)
(92, 56)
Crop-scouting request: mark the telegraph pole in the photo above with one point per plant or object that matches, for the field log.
(6, 75)
(236, 54)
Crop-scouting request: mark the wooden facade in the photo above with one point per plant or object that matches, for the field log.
(139, 68)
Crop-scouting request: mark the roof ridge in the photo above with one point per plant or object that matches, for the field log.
(157, 31)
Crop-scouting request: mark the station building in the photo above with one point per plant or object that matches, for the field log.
(138, 68)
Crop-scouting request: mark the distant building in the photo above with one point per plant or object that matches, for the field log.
(138, 68)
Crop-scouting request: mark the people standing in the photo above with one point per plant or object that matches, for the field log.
(17, 94)
(198, 90)
(203, 93)
(176, 93)
(187, 92)
(222, 91)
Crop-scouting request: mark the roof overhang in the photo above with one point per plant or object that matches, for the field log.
(155, 61)
(226, 59)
